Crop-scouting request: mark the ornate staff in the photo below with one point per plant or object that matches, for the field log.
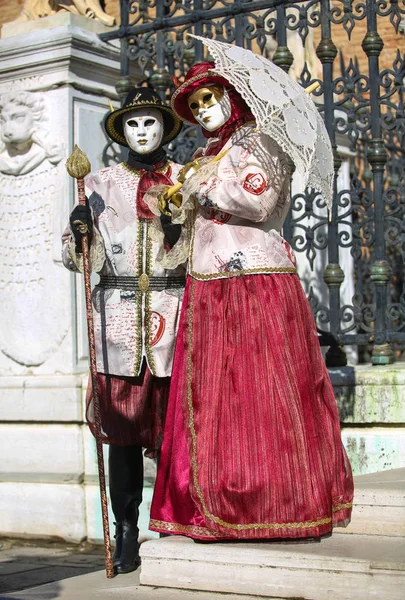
(78, 166)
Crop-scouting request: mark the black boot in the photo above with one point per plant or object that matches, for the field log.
(118, 544)
(126, 483)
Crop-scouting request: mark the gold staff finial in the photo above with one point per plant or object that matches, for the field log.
(78, 165)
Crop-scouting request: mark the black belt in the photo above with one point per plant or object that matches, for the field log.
(143, 283)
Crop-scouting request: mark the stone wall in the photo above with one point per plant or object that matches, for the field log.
(372, 413)
(56, 80)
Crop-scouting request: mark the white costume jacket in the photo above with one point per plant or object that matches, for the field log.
(129, 324)
(243, 201)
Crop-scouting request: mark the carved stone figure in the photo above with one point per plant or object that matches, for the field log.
(22, 146)
(31, 187)
(37, 9)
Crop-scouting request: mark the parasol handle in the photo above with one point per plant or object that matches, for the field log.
(78, 166)
(311, 88)
(172, 190)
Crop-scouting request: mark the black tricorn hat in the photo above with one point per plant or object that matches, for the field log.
(142, 97)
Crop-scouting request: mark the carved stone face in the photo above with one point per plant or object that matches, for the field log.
(16, 124)
(210, 106)
(143, 129)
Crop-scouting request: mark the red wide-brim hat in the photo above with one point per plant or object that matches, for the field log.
(200, 75)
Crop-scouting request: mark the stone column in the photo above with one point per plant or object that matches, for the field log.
(56, 79)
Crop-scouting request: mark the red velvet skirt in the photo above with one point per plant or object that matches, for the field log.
(252, 446)
(132, 409)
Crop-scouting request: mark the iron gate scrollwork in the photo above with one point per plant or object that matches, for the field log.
(361, 251)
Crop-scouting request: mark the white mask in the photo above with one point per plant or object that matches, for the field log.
(143, 129)
(211, 107)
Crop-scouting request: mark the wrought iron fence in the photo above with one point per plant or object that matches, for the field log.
(361, 251)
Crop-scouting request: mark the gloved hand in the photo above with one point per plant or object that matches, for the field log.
(177, 198)
(172, 232)
(163, 203)
(81, 223)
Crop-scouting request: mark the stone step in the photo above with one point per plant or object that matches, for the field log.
(343, 567)
(95, 586)
(379, 504)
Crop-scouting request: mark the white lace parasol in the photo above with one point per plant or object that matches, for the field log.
(283, 111)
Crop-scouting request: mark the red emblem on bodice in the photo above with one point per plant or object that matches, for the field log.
(157, 326)
(219, 216)
(255, 183)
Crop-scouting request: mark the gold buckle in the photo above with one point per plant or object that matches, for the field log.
(143, 282)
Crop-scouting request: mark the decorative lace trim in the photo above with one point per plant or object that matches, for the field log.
(138, 317)
(336, 509)
(148, 303)
(193, 183)
(205, 532)
(137, 172)
(184, 216)
(236, 272)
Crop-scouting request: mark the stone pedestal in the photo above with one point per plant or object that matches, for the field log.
(366, 560)
(339, 568)
(379, 505)
(372, 414)
(56, 79)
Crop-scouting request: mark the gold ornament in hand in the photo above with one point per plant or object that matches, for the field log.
(188, 169)
(163, 203)
(177, 199)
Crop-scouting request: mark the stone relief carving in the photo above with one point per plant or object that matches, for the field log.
(37, 9)
(24, 144)
(32, 286)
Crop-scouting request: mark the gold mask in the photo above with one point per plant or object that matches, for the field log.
(204, 98)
